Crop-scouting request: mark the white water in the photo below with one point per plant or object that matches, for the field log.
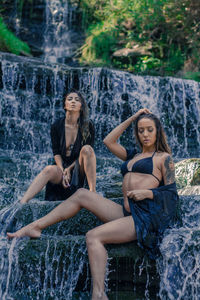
(57, 36)
(30, 100)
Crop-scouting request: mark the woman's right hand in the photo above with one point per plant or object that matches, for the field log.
(111, 139)
(140, 112)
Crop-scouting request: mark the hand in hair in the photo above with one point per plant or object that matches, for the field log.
(141, 112)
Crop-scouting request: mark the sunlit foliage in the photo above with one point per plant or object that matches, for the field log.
(169, 29)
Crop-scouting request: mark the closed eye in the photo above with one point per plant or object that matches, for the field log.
(150, 129)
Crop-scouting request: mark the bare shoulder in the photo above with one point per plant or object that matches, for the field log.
(165, 158)
(161, 157)
(161, 154)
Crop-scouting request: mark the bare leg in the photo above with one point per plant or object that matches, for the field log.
(106, 210)
(87, 161)
(119, 231)
(49, 173)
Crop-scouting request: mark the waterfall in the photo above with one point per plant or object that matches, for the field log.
(31, 93)
(30, 97)
(52, 271)
(58, 42)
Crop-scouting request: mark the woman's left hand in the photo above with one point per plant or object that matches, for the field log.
(138, 195)
(66, 177)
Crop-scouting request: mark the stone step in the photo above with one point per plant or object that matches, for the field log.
(58, 265)
(46, 264)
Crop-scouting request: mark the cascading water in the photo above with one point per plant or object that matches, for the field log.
(54, 274)
(58, 45)
(31, 94)
(179, 267)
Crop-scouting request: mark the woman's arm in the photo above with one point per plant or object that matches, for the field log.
(168, 169)
(111, 139)
(58, 160)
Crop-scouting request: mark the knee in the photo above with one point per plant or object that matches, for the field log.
(49, 170)
(91, 239)
(81, 195)
(87, 150)
(81, 192)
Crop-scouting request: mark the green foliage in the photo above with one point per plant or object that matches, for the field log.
(171, 27)
(9, 42)
(192, 75)
(147, 63)
(98, 44)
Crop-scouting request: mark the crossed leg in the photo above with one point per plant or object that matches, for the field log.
(118, 231)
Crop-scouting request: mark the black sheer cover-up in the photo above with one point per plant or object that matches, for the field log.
(55, 192)
(153, 216)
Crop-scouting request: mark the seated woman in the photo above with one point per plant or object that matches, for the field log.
(150, 199)
(72, 140)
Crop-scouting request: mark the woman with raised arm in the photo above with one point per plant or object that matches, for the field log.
(72, 140)
(150, 199)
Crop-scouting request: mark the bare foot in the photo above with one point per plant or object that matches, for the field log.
(31, 230)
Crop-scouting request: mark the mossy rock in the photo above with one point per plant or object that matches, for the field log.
(187, 172)
(196, 177)
(190, 190)
(57, 266)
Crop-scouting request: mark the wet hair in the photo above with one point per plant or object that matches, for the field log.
(161, 140)
(83, 120)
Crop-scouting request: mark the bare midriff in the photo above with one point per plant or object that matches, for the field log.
(137, 181)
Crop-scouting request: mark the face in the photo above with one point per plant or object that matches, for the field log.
(147, 132)
(73, 102)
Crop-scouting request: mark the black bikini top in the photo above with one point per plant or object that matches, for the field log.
(144, 165)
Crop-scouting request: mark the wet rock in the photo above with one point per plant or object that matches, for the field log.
(58, 266)
(190, 190)
(187, 174)
(136, 51)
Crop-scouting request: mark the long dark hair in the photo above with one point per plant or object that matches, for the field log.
(83, 120)
(161, 140)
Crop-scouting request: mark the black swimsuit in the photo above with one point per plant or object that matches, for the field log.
(144, 165)
(146, 213)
